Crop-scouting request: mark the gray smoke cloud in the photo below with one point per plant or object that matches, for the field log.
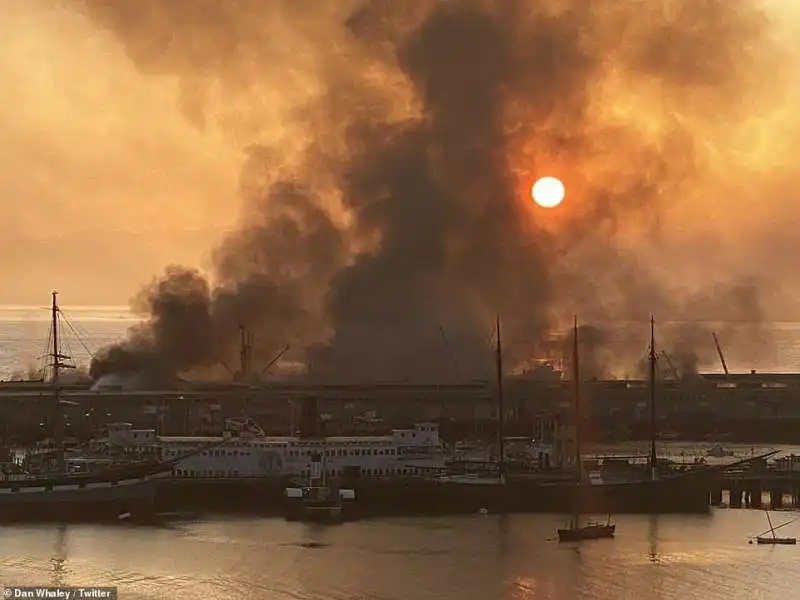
(397, 206)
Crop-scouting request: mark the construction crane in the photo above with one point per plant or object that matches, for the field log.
(672, 368)
(719, 351)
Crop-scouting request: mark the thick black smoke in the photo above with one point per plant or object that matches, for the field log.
(437, 236)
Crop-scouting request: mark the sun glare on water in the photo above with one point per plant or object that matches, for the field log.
(548, 192)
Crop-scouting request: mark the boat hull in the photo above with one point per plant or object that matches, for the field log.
(328, 514)
(116, 495)
(678, 494)
(587, 532)
(777, 541)
(682, 495)
(386, 497)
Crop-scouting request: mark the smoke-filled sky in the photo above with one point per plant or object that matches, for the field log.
(351, 178)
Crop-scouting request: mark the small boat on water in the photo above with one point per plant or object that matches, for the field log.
(780, 541)
(318, 502)
(591, 530)
(773, 539)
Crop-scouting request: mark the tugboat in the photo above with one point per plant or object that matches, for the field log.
(318, 502)
(592, 530)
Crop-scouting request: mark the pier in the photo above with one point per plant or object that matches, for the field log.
(757, 485)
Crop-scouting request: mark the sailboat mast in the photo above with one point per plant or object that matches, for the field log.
(653, 432)
(576, 382)
(771, 527)
(57, 417)
(500, 403)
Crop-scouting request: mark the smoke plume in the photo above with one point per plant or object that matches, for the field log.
(392, 202)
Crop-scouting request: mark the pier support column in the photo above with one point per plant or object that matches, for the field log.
(776, 498)
(715, 496)
(736, 497)
(754, 493)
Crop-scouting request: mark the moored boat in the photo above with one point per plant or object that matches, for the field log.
(126, 491)
(576, 531)
(773, 539)
(588, 531)
(780, 541)
(317, 501)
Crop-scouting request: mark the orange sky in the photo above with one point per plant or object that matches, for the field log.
(103, 180)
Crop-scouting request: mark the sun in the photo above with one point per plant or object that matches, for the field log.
(548, 192)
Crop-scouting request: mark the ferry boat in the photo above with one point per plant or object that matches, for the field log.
(244, 451)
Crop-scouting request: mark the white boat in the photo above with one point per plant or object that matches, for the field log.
(244, 451)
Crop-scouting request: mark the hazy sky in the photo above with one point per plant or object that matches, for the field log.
(102, 180)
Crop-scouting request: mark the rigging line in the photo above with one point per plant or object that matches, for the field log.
(83, 331)
(90, 352)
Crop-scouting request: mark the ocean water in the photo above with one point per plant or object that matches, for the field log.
(24, 337)
(478, 557)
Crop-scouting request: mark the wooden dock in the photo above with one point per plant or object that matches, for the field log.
(753, 486)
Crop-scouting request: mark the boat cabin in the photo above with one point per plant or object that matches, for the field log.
(244, 450)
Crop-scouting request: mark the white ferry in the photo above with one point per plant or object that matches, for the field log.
(245, 451)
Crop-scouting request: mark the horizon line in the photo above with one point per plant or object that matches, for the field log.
(107, 307)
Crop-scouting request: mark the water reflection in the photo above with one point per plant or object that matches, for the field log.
(59, 559)
(652, 537)
(491, 558)
(503, 535)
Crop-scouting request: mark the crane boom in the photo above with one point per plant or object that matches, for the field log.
(719, 351)
(671, 366)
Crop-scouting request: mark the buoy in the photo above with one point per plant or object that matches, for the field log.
(484, 511)
(123, 516)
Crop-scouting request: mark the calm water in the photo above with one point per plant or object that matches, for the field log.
(24, 335)
(481, 558)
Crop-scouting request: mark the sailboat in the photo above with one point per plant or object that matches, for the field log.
(772, 538)
(590, 530)
(118, 493)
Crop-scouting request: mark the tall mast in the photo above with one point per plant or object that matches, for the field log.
(576, 382)
(500, 405)
(57, 417)
(653, 431)
(244, 352)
